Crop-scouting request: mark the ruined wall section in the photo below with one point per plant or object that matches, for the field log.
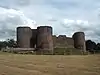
(63, 41)
(33, 38)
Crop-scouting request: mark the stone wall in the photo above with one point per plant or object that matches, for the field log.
(63, 41)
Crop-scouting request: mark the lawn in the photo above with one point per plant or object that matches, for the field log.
(17, 64)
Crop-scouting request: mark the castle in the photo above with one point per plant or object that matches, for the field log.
(42, 38)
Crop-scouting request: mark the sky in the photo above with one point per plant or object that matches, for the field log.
(65, 16)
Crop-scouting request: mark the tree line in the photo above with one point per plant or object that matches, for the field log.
(91, 46)
(8, 43)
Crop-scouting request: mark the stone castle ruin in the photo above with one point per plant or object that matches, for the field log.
(42, 39)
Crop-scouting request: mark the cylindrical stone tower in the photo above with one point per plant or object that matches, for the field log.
(44, 38)
(24, 35)
(79, 40)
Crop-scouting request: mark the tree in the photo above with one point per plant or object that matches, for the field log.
(8, 43)
(90, 45)
(11, 43)
(98, 47)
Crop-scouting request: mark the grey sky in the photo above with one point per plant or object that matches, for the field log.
(65, 16)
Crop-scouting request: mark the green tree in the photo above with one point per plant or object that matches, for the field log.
(11, 43)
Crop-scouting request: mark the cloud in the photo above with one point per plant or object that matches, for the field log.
(10, 19)
(89, 29)
(65, 16)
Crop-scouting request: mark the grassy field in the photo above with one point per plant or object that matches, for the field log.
(17, 64)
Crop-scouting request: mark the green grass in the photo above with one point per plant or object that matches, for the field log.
(17, 64)
(68, 51)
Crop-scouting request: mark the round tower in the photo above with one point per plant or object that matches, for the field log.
(24, 35)
(44, 38)
(79, 40)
